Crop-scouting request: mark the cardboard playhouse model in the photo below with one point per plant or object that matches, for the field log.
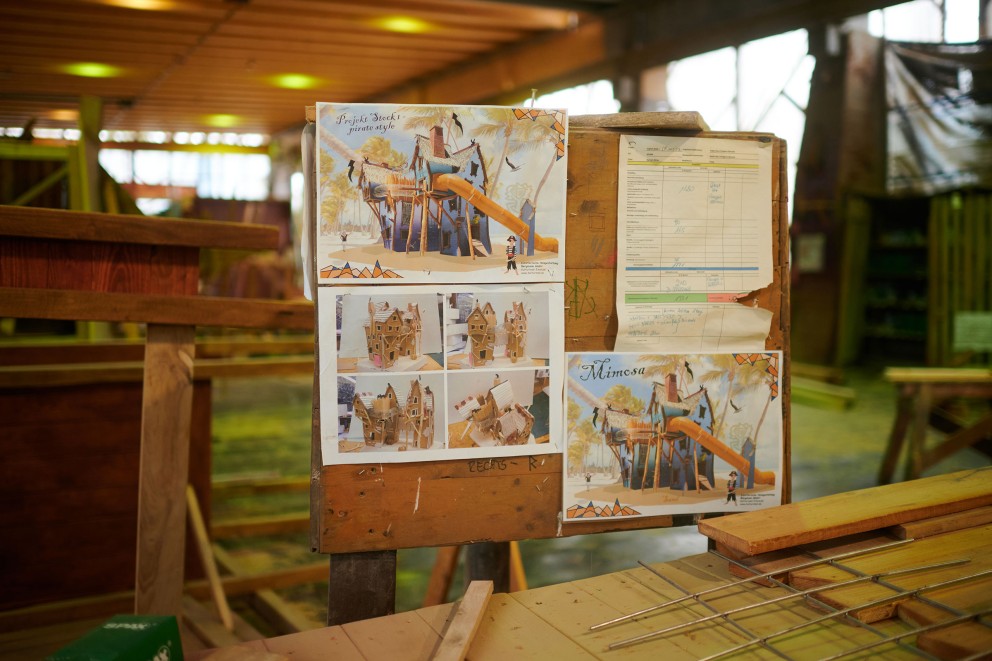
(490, 342)
(495, 418)
(393, 335)
(388, 419)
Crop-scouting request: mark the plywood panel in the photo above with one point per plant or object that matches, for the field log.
(370, 507)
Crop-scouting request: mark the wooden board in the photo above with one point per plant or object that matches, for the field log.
(373, 507)
(851, 512)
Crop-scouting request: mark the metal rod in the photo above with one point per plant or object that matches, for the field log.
(819, 603)
(914, 632)
(860, 579)
(737, 625)
(868, 604)
(651, 609)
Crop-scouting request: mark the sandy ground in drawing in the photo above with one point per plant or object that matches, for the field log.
(429, 261)
(661, 496)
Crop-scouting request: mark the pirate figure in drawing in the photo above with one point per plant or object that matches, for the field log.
(732, 487)
(511, 255)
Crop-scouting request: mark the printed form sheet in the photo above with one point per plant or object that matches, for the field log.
(694, 233)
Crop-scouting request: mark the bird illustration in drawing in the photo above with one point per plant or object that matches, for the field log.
(595, 414)
(688, 370)
(736, 408)
(351, 168)
(512, 166)
(454, 118)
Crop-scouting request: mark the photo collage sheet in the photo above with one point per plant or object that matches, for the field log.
(440, 239)
(685, 416)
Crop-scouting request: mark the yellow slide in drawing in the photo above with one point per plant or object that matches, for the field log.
(719, 448)
(474, 196)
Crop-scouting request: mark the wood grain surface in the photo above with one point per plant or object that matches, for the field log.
(851, 512)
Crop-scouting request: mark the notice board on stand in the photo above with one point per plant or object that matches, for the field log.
(692, 434)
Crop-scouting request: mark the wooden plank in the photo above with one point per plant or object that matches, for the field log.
(847, 513)
(43, 376)
(192, 310)
(512, 631)
(970, 544)
(659, 121)
(163, 473)
(207, 559)
(282, 615)
(204, 623)
(468, 616)
(114, 228)
(409, 637)
(254, 526)
(968, 640)
(359, 507)
(938, 375)
(280, 578)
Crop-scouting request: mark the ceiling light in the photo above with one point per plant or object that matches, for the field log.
(405, 24)
(92, 70)
(148, 5)
(295, 81)
(63, 115)
(222, 121)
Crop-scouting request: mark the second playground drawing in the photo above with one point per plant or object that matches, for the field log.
(672, 433)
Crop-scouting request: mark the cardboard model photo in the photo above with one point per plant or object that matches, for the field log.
(394, 413)
(440, 194)
(499, 409)
(390, 388)
(497, 330)
(388, 333)
(653, 434)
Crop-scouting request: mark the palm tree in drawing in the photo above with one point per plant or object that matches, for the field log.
(661, 365)
(497, 123)
(740, 379)
(538, 136)
(423, 118)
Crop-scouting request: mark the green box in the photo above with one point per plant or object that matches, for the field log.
(127, 638)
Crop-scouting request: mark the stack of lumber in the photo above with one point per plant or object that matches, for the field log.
(941, 521)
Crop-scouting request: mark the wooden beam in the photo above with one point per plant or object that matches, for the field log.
(255, 526)
(618, 42)
(938, 525)
(88, 150)
(235, 586)
(468, 616)
(40, 187)
(44, 376)
(142, 230)
(207, 558)
(193, 310)
(281, 614)
(163, 473)
(851, 512)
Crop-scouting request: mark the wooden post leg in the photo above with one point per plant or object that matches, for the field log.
(488, 561)
(362, 585)
(904, 412)
(918, 435)
(441, 576)
(167, 403)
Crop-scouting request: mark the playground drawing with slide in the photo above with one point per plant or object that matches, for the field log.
(440, 194)
(654, 434)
